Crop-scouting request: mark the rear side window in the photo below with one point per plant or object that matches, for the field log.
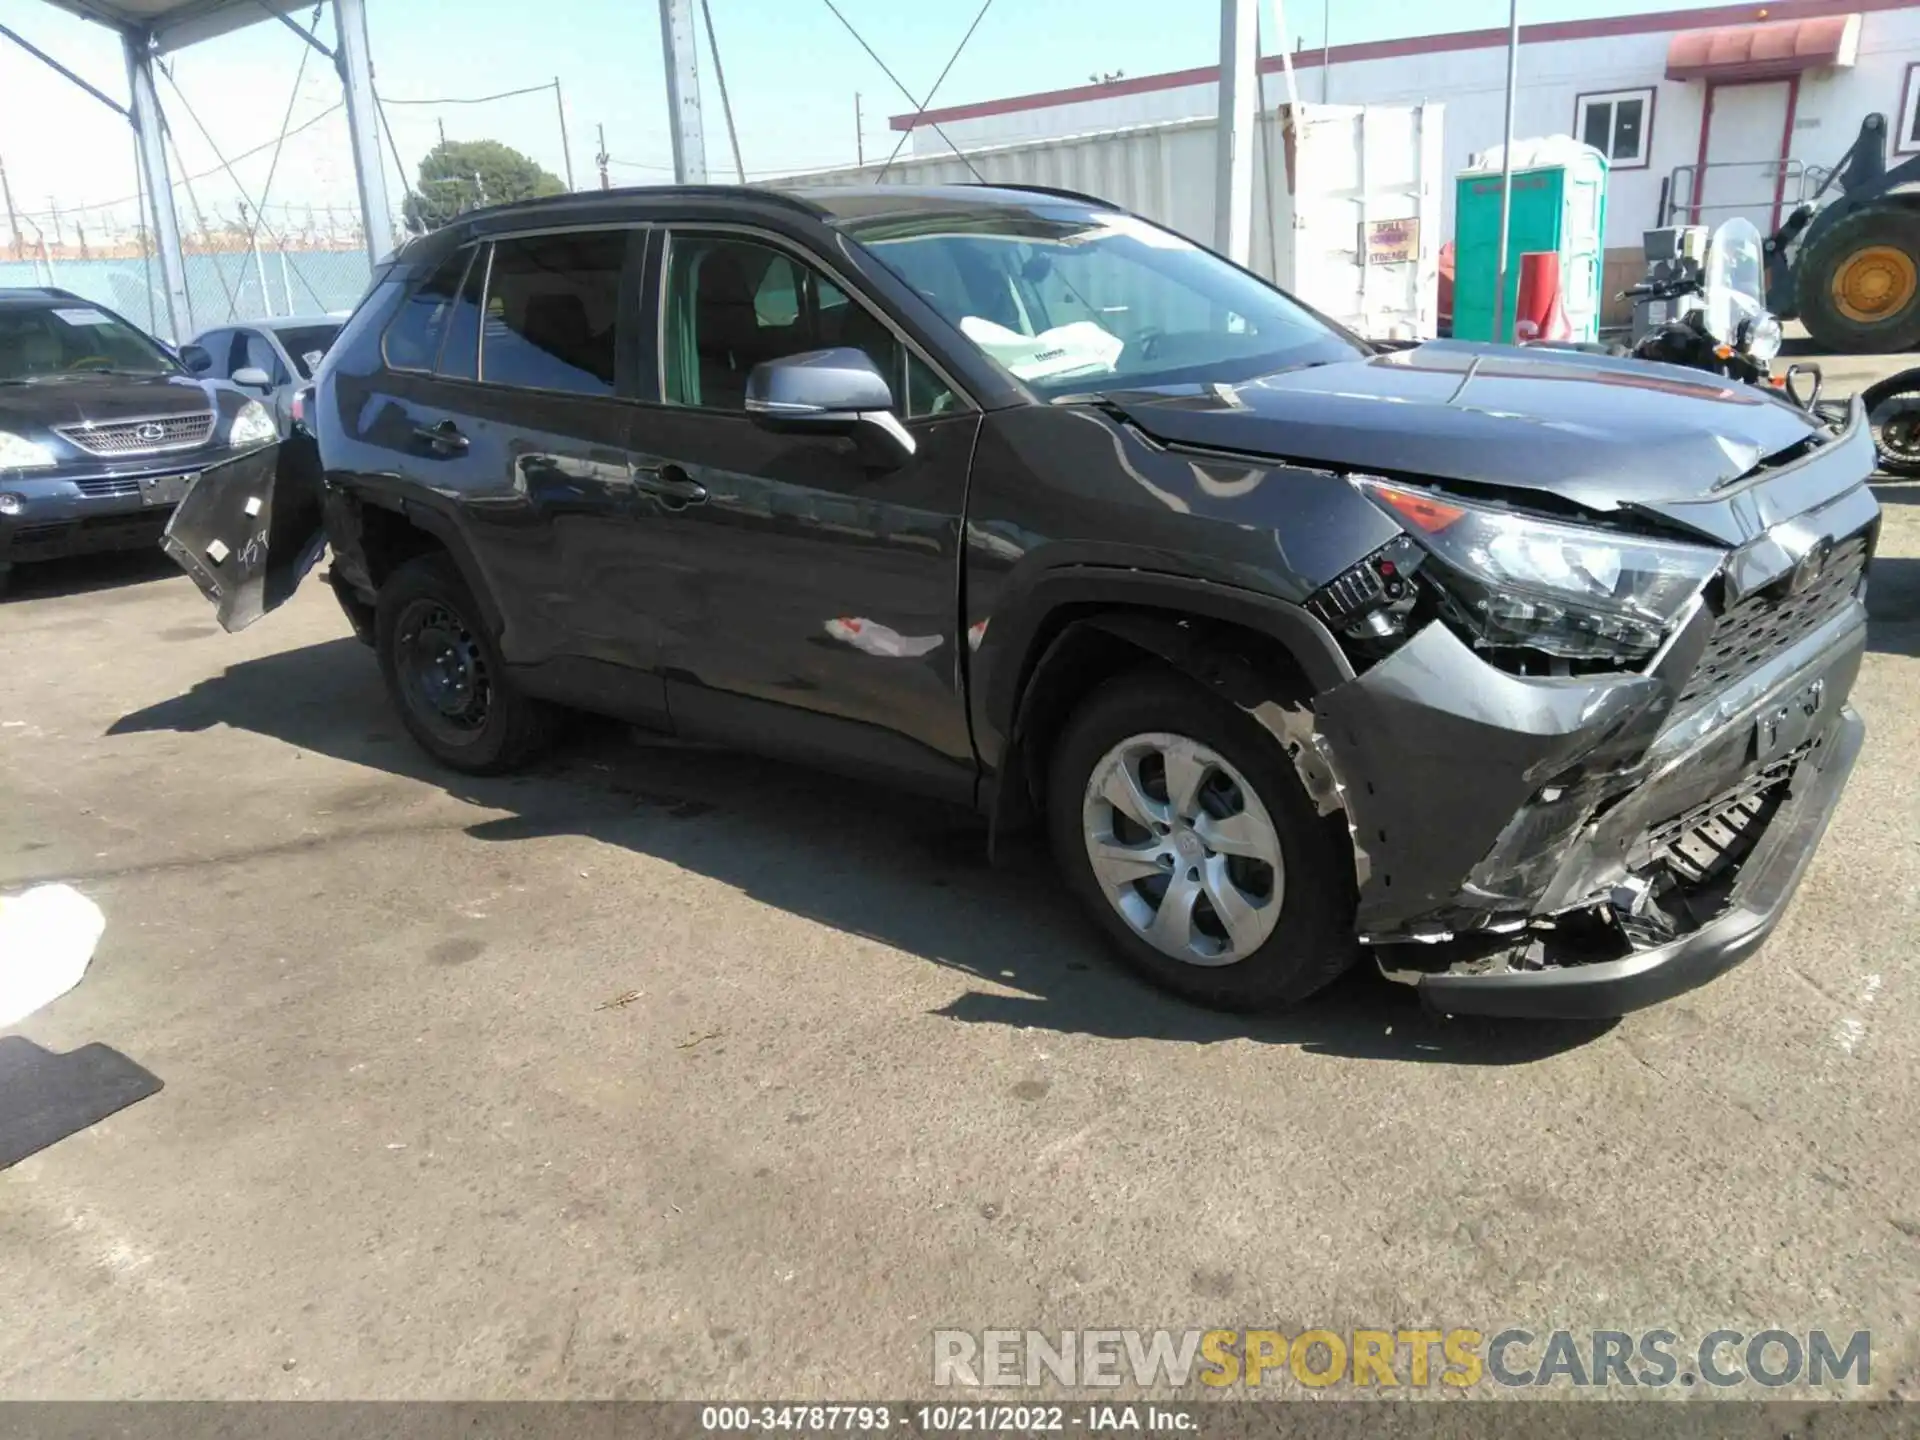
(460, 356)
(553, 304)
(413, 338)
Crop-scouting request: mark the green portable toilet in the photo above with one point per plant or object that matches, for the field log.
(1559, 204)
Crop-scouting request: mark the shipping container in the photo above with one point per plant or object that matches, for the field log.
(1347, 198)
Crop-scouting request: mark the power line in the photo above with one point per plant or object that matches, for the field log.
(726, 106)
(475, 99)
(904, 134)
(139, 195)
(901, 87)
(258, 208)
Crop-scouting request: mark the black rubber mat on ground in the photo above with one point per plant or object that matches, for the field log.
(45, 1097)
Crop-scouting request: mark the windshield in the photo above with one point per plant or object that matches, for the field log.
(73, 339)
(1071, 299)
(1734, 289)
(307, 344)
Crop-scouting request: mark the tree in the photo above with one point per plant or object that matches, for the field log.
(461, 175)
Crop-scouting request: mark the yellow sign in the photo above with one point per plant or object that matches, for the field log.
(1391, 242)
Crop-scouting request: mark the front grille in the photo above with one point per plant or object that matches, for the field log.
(113, 487)
(1756, 629)
(151, 436)
(1702, 842)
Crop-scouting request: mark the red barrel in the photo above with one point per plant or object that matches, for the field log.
(1537, 311)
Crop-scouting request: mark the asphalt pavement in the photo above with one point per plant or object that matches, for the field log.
(669, 1073)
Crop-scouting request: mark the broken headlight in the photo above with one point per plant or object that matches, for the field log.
(1564, 590)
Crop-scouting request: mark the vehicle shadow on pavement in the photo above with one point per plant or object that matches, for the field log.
(44, 579)
(908, 873)
(1893, 606)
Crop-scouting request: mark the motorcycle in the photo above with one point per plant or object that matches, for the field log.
(1711, 315)
(1893, 413)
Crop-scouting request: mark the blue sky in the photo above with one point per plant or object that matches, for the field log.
(791, 72)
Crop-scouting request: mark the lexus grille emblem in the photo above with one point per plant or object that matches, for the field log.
(151, 431)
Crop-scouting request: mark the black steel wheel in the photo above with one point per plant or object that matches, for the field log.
(444, 673)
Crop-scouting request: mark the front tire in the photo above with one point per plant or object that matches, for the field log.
(445, 676)
(1181, 826)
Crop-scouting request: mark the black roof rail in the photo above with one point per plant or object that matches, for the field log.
(591, 199)
(38, 292)
(1064, 194)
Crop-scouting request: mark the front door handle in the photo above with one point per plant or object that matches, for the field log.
(672, 484)
(444, 437)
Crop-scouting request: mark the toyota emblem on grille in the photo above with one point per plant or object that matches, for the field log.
(151, 431)
(1811, 566)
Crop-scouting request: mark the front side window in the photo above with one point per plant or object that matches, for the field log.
(219, 347)
(414, 334)
(733, 304)
(1618, 126)
(73, 338)
(553, 305)
(261, 355)
(1069, 298)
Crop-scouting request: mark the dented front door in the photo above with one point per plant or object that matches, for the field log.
(250, 529)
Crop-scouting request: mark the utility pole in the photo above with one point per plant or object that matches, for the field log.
(602, 158)
(566, 147)
(1326, 48)
(859, 131)
(13, 220)
(1239, 94)
(1506, 171)
(443, 129)
(678, 48)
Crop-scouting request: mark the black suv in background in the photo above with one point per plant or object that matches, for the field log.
(101, 429)
(1527, 669)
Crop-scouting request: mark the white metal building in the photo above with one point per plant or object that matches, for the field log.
(1722, 108)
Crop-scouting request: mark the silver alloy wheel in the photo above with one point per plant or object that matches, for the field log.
(1183, 849)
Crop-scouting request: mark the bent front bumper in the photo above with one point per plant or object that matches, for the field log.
(1766, 882)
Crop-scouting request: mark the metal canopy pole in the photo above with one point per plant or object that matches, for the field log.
(1239, 98)
(355, 60)
(1506, 170)
(683, 93)
(150, 140)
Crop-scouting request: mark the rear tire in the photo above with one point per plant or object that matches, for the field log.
(1872, 259)
(1243, 933)
(445, 676)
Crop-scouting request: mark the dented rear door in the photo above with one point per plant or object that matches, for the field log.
(249, 530)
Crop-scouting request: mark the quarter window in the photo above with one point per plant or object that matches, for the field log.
(553, 304)
(414, 335)
(733, 304)
(1618, 125)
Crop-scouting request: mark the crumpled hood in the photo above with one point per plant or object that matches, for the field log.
(79, 399)
(1601, 432)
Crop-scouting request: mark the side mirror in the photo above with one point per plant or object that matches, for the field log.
(196, 358)
(252, 377)
(829, 392)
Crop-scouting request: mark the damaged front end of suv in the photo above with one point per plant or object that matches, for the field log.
(1585, 756)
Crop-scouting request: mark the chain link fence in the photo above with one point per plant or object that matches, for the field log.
(223, 287)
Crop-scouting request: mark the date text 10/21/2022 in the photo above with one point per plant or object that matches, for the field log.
(952, 1419)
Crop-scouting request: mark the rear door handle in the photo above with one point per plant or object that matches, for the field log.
(672, 484)
(444, 437)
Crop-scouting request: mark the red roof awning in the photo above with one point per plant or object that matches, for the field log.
(1764, 52)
